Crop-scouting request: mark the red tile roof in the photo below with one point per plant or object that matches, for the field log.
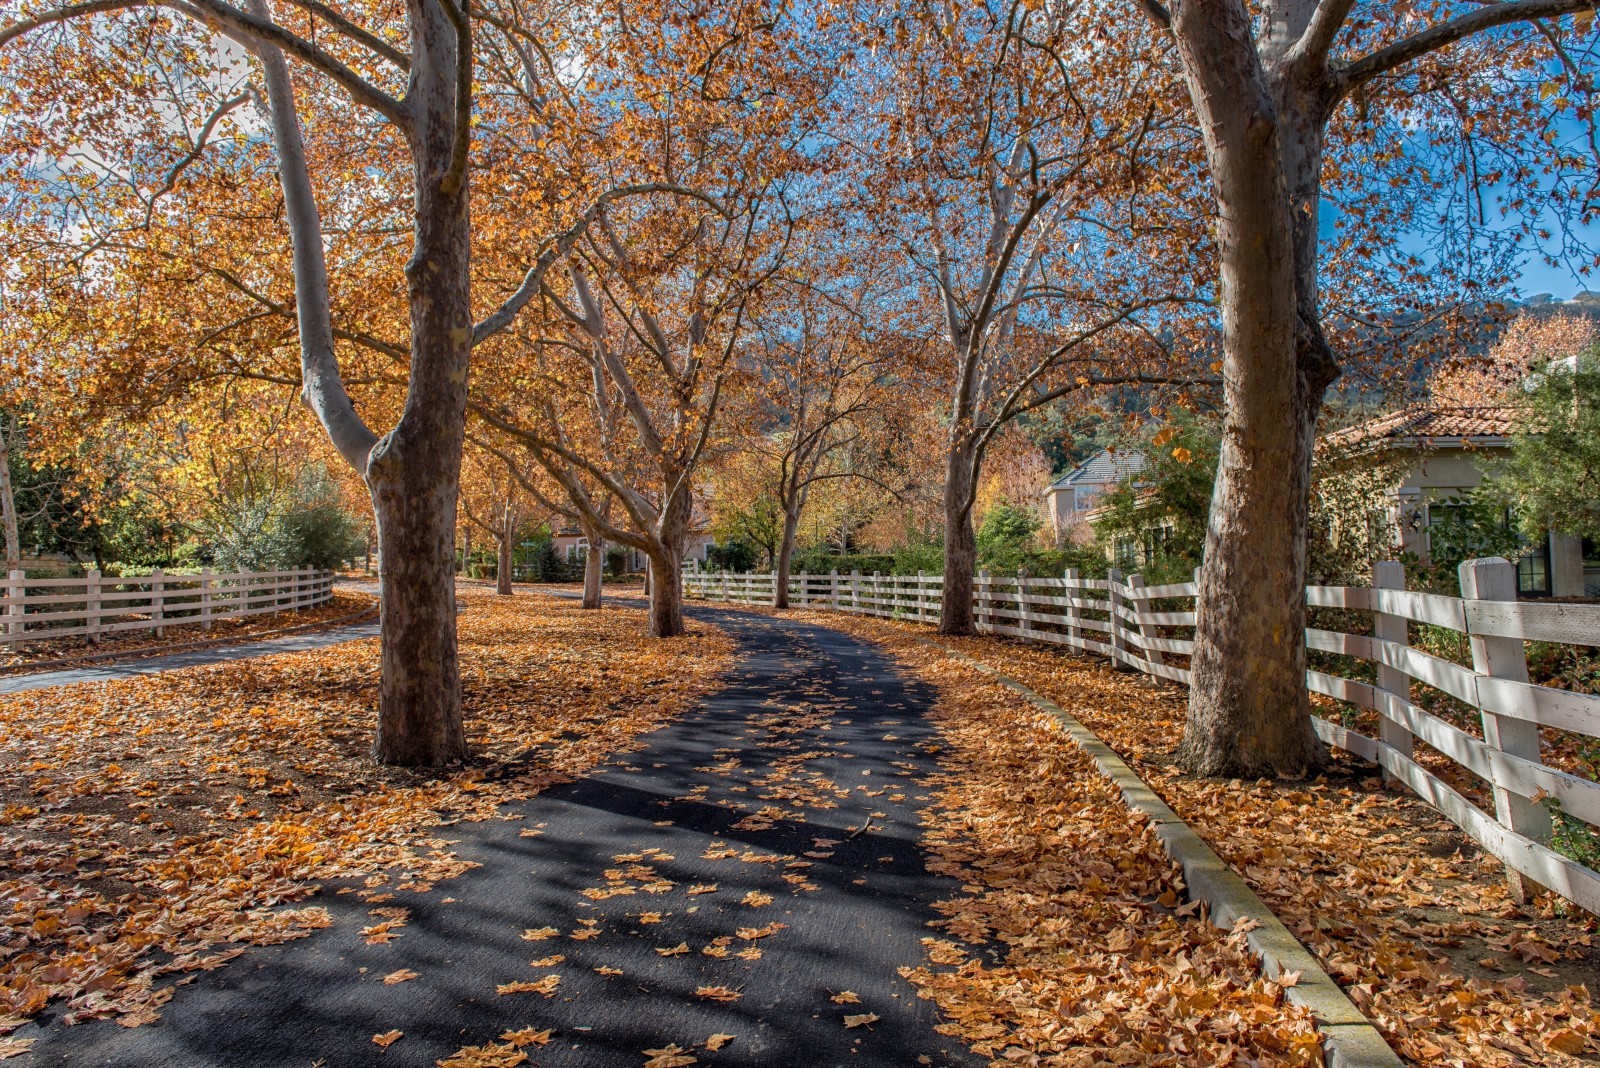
(1422, 423)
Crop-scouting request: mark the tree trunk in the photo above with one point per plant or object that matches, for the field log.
(415, 471)
(593, 567)
(960, 542)
(1249, 713)
(508, 542)
(666, 594)
(8, 507)
(785, 558)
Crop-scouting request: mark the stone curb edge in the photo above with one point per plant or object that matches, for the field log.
(152, 652)
(1349, 1039)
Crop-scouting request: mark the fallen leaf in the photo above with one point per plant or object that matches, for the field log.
(673, 1056)
(387, 1039)
(717, 1041)
(528, 1036)
(717, 993)
(399, 976)
(861, 1020)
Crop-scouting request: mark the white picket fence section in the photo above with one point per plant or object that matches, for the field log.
(1142, 628)
(44, 609)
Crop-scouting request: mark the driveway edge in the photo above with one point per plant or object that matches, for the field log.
(1350, 1040)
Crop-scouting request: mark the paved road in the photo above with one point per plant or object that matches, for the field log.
(217, 654)
(799, 782)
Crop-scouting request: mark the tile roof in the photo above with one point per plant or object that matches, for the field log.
(1103, 466)
(1421, 422)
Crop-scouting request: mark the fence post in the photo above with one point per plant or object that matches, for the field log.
(1024, 617)
(922, 596)
(1147, 631)
(1390, 575)
(1113, 602)
(205, 598)
(855, 591)
(158, 597)
(91, 605)
(875, 608)
(1495, 579)
(982, 592)
(16, 592)
(1073, 612)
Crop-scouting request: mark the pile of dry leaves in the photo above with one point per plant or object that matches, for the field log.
(1074, 945)
(127, 644)
(1399, 907)
(153, 827)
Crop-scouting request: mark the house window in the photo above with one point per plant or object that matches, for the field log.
(1533, 572)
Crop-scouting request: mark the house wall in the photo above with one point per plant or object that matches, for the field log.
(1447, 473)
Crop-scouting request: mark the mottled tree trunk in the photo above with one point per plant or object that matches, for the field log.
(594, 568)
(8, 506)
(785, 558)
(1249, 712)
(960, 542)
(507, 547)
(415, 471)
(666, 594)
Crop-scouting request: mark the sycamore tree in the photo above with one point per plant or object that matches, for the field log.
(828, 363)
(631, 376)
(1029, 183)
(1406, 116)
(211, 173)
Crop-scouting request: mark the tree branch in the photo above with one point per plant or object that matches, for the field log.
(1444, 34)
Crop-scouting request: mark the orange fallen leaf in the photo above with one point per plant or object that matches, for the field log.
(387, 1039)
(846, 997)
(528, 1036)
(717, 1041)
(673, 1056)
(546, 986)
(673, 951)
(400, 976)
(717, 993)
(861, 1020)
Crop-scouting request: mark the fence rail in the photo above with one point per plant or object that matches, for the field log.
(1149, 629)
(45, 609)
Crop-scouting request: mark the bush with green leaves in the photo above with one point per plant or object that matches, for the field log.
(734, 555)
(1005, 536)
(1551, 479)
(301, 524)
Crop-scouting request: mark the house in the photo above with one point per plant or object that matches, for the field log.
(569, 543)
(1450, 447)
(1069, 499)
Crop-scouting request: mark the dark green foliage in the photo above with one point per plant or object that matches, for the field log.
(1156, 525)
(817, 561)
(732, 555)
(758, 527)
(1551, 480)
(1005, 536)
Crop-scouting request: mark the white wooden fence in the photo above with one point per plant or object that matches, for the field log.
(1144, 628)
(44, 609)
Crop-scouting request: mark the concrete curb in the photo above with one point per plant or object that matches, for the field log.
(1349, 1039)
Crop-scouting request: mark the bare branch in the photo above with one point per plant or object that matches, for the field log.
(1444, 34)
